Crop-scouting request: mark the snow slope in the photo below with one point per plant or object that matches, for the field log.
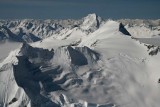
(90, 65)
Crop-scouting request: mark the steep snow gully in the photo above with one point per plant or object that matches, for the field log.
(90, 62)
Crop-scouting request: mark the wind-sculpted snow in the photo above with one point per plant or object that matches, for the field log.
(81, 63)
(37, 55)
(56, 75)
(34, 82)
(11, 95)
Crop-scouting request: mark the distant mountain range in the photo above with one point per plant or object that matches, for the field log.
(30, 30)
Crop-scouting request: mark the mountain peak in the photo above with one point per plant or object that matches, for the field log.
(123, 30)
(91, 22)
(93, 15)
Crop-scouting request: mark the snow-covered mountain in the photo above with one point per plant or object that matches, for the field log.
(30, 30)
(89, 62)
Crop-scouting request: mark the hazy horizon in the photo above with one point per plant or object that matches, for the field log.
(76, 9)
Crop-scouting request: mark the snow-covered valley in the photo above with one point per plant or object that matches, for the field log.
(89, 62)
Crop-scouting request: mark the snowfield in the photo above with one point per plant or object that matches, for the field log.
(89, 62)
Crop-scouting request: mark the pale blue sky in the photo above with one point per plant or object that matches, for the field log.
(75, 9)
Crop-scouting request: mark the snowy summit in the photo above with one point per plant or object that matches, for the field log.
(90, 62)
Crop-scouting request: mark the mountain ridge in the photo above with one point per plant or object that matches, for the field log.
(97, 63)
(31, 30)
